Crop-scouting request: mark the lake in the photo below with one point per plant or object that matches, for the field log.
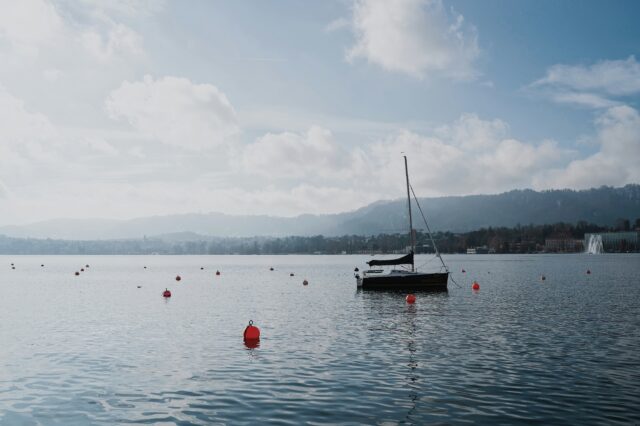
(96, 349)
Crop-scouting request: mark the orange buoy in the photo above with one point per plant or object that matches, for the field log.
(77, 273)
(217, 272)
(588, 271)
(178, 277)
(166, 293)
(411, 299)
(305, 282)
(475, 285)
(251, 333)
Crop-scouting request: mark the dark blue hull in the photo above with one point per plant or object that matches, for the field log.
(408, 282)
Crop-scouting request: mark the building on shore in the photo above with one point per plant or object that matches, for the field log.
(480, 250)
(563, 245)
(617, 242)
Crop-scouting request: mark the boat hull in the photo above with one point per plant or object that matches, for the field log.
(409, 282)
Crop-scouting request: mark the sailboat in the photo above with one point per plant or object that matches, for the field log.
(404, 279)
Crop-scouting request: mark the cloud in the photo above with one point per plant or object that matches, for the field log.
(42, 27)
(128, 8)
(591, 86)
(63, 57)
(469, 156)
(617, 77)
(296, 155)
(337, 24)
(119, 41)
(473, 133)
(588, 100)
(30, 25)
(175, 111)
(28, 141)
(415, 37)
(616, 162)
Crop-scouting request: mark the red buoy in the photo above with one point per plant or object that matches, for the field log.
(77, 273)
(166, 293)
(588, 271)
(251, 333)
(178, 277)
(411, 299)
(475, 285)
(305, 282)
(217, 272)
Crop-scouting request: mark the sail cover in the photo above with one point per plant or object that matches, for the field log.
(404, 260)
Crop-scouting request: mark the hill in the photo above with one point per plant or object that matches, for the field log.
(601, 206)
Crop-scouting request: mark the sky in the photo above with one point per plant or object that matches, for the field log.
(124, 109)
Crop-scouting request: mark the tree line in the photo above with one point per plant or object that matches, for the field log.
(519, 239)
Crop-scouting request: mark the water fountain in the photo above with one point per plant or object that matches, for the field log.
(595, 244)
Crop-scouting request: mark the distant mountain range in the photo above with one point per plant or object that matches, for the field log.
(602, 206)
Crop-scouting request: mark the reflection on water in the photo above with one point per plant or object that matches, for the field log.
(106, 348)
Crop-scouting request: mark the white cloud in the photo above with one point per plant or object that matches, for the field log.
(415, 37)
(30, 25)
(617, 77)
(469, 157)
(51, 74)
(337, 24)
(129, 8)
(473, 133)
(175, 111)
(63, 57)
(295, 155)
(591, 86)
(37, 27)
(19, 125)
(616, 163)
(588, 100)
(119, 41)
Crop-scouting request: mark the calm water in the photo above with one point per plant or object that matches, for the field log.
(95, 349)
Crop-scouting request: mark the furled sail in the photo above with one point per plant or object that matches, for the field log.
(404, 260)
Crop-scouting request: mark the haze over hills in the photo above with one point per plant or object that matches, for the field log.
(602, 206)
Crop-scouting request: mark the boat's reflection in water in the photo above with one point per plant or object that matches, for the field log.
(404, 327)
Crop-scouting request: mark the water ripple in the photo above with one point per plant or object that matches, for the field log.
(98, 350)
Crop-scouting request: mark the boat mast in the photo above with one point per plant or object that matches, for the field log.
(406, 172)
